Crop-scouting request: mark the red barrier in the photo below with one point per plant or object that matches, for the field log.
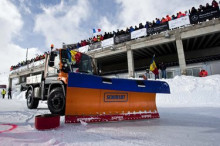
(47, 121)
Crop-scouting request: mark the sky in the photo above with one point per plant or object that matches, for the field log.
(35, 24)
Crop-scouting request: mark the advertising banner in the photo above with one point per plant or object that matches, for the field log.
(203, 16)
(122, 38)
(95, 46)
(108, 42)
(183, 21)
(138, 33)
(158, 28)
(84, 49)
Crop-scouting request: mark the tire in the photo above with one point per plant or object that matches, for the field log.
(47, 121)
(56, 101)
(32, 103)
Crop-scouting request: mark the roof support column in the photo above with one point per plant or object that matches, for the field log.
(95, 65)
(130, 62)
(181, 55)
(9, 82)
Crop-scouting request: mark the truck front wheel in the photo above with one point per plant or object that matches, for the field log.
(32, 103)
(56, 101)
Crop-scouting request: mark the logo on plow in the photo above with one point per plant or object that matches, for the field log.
(115, 97)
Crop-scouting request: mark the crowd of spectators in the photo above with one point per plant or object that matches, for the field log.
(107, 35)
(26, 62)
(156, 22)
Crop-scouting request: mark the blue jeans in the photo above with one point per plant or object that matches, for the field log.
(164, 74)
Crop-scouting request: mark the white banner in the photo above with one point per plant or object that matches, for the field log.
(179, 22)
(138, 33)
(107, 42)
(84, 49)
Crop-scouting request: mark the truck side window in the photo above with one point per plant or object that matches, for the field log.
(54, 70)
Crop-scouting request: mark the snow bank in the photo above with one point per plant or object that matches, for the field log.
(185, 91)
(188, 91)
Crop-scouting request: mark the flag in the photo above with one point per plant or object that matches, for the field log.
(96, 30)
(153, 66)
(73, 56)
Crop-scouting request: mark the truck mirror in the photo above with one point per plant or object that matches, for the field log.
(52, 58)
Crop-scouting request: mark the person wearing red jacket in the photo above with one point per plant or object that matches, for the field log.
(180, 14)
(168, 18)
(163, 20)
(215, 4)
(203, 73)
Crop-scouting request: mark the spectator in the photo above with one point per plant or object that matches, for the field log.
(135, 28)
(193, 11)
(163, 20)
(168, 18)
(163, 70)
(78, 45)
(157, 21)
(118, 32)
(105, 35)
(94, 39)
(141, 26)
(203, 73)
(153, 24)
(145, 76)
(215, 4)
(111, 34)
(173, 17)
(101, 38)
(131, 29)
(186, 13)
(98, 38)
(9, 93)
(202, 8)
(208, 7)
(3, 93)
(147, 25)
(180, 14)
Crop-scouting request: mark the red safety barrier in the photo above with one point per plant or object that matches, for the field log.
(47, 121)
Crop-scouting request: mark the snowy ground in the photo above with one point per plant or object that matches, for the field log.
(190, 115)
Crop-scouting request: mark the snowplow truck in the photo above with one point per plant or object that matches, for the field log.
(70, 87)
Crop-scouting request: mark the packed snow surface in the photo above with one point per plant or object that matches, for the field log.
(190, 115)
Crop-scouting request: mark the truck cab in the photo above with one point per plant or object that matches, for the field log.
(51, 84)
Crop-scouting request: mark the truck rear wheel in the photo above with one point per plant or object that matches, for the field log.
(32, 103)
(56, 101)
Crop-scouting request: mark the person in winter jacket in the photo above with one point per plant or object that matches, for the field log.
(145, 76)
(193, 11)
(141, 26)
(215, 4)
(163, 68)
(9, 93)
(94, 39)
(131, 29)
(168, 18)
(157, 21)
(208, 7)
(180, 14)
(3, 93)
(173, 17)
(147, 25)
(163, 20)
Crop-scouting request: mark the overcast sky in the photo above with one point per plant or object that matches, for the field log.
(35, 24)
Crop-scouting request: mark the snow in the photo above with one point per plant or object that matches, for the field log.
(190, 115)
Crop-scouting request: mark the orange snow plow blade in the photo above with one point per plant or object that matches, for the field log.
(95, 99)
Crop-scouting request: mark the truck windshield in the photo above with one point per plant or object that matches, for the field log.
(76, 62)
